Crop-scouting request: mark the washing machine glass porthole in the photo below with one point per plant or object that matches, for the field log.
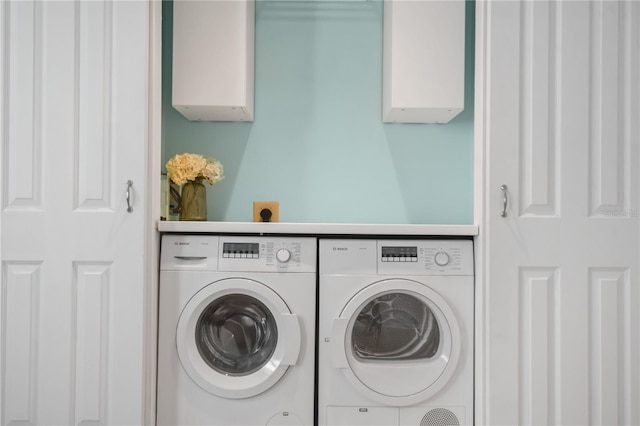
(236, 334)
(395, 326)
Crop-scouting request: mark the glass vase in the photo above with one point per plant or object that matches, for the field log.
(193, 205)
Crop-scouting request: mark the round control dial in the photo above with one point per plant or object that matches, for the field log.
(441, 258)
(283, 255)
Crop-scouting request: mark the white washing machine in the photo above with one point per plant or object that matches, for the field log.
(395, 332)
(236, 342)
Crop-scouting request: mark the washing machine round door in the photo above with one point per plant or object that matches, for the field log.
(397, 341)
(236, 338)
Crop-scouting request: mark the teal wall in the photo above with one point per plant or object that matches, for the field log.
(318, 145)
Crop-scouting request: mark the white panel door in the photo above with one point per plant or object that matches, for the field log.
(74, 131)
(561, 275)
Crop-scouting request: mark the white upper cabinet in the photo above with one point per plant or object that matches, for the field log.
(423, 61)
(213, 59)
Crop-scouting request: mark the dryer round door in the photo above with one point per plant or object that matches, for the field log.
(236, 338)
(397, 341)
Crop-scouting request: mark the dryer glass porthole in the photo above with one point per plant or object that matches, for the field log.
(395, 326)
(236, 334)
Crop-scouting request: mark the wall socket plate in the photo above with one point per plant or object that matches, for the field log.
(271, 206)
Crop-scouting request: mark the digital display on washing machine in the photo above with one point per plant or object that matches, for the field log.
(400, 254)
(241, 250)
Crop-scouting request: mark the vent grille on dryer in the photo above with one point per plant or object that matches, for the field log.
(440, 417)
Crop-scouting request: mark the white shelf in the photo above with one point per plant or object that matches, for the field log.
(316, 228)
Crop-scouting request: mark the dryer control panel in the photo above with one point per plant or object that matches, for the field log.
(397, 257)
(432, 257)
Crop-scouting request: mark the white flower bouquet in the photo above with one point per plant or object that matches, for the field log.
(189, 167)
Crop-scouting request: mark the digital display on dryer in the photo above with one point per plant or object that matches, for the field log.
(400, 254)
(241, 250)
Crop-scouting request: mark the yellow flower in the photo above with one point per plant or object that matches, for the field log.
(188, 167)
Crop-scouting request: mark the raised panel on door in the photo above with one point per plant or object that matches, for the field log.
(20, 295)
(74, 131)
(562, 267)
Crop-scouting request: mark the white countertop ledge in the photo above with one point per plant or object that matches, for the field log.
(262, 228)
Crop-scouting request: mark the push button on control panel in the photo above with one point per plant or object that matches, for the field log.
(399, 254)
(241, 250)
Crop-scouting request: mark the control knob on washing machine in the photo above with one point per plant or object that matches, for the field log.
(441, 258)
(283, 255)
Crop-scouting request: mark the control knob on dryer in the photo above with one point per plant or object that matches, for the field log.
(441, 258)
(283, 255)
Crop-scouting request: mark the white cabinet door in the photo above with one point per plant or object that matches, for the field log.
(74, 131)
(561, 272)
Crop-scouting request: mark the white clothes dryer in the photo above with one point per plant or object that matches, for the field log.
(395, 332)
(236, 332)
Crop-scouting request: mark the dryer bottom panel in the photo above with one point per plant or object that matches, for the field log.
(393, 416)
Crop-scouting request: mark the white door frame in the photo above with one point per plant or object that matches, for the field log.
(154, 170)
(480, 167)
(152, 246)
(153, 213)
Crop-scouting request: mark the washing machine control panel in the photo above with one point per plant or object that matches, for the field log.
(267, 254)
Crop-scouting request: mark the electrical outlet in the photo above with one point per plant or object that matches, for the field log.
(266, 211)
